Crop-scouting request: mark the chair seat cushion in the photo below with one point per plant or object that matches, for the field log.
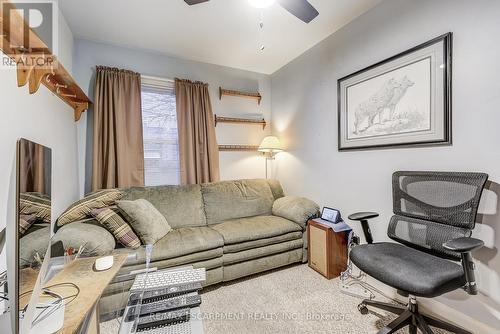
(254, 228)
(408, 269)
(183, 241)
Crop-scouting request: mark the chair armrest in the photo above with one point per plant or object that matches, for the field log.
(359, 216)
(463, 245)
(363, 218)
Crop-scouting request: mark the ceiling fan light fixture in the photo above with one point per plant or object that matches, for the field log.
(261, 3)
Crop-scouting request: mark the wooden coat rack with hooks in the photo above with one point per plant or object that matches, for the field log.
(37, 65)
(237, 93)
(246, 121)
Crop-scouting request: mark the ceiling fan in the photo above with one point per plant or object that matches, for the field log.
(302, 9)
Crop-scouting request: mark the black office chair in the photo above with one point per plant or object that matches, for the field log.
(434, 214)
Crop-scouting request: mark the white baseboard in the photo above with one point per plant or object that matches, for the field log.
(447, 313)
(440, 310)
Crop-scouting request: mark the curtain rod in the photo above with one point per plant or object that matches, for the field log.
(147, 77)
(156, 78)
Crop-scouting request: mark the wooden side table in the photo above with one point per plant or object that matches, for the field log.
(327, 250)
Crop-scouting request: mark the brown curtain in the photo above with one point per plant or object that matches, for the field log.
(32, 167)
(198, 149)
(118, 157)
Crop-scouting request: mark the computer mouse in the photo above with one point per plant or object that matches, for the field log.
(104, 263)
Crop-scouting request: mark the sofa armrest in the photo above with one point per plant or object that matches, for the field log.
(96, 239)
(297, 209)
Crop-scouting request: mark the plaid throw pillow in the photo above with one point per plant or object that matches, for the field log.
(25, 222)
(82, 209)
(35, 204)
(115, 224)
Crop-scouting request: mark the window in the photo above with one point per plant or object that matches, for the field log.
(161, 141)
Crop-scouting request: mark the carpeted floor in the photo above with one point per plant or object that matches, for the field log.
(290, 300)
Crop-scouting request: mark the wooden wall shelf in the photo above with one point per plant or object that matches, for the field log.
(234, 120)
(37, 65)
(241, 148)
(229, 92)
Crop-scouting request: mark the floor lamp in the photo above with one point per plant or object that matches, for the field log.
(269, 146)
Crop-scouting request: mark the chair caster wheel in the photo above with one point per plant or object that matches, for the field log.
(363, 309)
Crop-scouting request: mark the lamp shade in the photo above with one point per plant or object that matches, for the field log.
(270, 144)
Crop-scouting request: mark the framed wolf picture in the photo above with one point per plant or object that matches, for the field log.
(402, 101)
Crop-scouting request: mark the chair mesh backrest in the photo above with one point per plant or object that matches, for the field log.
(433, 207)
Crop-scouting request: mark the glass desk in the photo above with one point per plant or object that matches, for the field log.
(119, 292)
(79, 286)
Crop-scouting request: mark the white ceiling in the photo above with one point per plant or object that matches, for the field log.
(223, 32)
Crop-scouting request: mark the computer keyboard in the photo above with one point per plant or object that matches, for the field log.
(163, 319)
(162, 279)
(180, 302)
(168, 292)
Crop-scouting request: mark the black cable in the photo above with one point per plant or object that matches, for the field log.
(50, 308)
(47, 289)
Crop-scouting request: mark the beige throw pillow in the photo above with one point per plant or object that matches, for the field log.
(146, 221)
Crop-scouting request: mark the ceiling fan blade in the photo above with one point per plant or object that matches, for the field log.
(195, 2)
(300, 8)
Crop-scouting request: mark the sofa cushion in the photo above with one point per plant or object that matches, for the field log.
(236, 199)
(234, 248)
(182, 206)
(254, 228)
(255, 253)
(148, 223)
(241, 269)
(33, 243)
(96, 239)
(184, 241)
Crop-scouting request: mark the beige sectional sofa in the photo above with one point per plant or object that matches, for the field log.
(226, 227)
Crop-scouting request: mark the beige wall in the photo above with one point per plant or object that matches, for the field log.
(234, 165)
(304, 114)
(45, 119)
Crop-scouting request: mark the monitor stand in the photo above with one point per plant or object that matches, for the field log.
(48, 317)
